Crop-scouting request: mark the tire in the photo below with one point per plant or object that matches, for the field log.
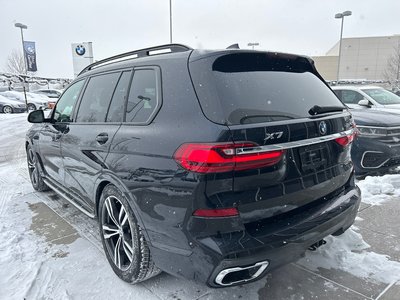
(132, 262)
(31, 106)
(34, 173)
(7, 109)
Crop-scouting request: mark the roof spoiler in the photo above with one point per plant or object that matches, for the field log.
(233, 46)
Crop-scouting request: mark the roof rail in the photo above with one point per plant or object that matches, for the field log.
(163, 49)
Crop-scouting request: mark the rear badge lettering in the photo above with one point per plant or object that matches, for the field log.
(273, 135)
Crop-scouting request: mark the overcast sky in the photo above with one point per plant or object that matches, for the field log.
(116, 26)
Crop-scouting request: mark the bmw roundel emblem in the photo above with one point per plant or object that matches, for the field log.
(30, 50)
(323, 128)
(80, 50)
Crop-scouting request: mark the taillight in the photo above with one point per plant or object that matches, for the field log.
(346, 140)
(218, 157)
(216, 213)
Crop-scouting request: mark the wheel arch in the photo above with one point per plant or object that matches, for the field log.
(39, 158)
(109, 178)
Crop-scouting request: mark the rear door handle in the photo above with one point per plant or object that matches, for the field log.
(102, 138)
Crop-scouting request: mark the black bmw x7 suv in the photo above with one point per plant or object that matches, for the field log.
(217, 166)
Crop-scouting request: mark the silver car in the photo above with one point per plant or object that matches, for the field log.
(9, 106)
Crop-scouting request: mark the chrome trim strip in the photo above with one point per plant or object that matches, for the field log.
(221, 275)
(62, 194)
(377, 127)
(362, 160)
(288, 145)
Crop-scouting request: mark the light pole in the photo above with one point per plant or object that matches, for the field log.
(170, 21)
(253, 44)
(341, 16)
(22, 27)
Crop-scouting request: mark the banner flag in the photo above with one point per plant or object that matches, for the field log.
(30, 55)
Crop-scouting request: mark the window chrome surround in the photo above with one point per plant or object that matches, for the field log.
(289, 145)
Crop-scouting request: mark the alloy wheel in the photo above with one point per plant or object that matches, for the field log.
(32, 166)
(7, 109)
(31, 106)
(117, 233)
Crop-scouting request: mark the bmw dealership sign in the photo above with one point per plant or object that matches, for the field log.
(82, 55)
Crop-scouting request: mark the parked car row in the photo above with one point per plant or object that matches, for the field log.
(53, 94)
(40, 99)
(34, 101)
(376, 112)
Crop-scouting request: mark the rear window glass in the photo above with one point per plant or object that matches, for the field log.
(245, 88)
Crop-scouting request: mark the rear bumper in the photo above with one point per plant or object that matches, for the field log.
(209, 256)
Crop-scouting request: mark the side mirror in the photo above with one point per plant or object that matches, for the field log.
(36, 116)
(364, 102)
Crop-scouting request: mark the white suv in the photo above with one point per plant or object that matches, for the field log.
(367, 96)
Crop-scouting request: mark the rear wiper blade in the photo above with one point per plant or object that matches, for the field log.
(316, 109)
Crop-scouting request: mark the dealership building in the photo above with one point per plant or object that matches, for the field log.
(361, 58)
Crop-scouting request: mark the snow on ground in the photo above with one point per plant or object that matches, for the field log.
(378, 189)
(349, 252)
(35, 266)
(35, 269)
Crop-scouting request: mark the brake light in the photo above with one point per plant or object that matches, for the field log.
(346, 140)
(216, 213)
(218, 157)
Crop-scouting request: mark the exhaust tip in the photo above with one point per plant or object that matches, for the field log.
(239, 275)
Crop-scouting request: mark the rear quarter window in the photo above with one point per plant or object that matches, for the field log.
(144, 97)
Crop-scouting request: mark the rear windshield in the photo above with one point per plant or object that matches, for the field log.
(244, 88)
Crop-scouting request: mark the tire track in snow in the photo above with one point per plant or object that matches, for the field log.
(4, 195)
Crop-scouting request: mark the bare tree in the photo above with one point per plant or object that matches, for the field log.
(392, 71)
(16, 63)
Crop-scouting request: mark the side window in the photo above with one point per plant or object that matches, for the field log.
(116, 110)
(65, 105)
(96, 98)
(351, 97)
(338, 94)
(143, 96)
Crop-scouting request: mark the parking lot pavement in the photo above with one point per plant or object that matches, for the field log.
(48, 249)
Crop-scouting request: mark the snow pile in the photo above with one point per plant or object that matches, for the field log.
(348, 253)
(378, 189)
